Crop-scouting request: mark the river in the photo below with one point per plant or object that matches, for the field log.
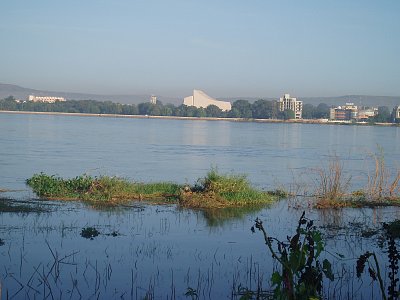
(166, 251)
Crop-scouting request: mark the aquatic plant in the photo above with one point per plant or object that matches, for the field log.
(192, 293)
(382, 188)
(52, 186)
(331, 185)
(224, 190)
(302, 272)
(89, 233)
(381, 184)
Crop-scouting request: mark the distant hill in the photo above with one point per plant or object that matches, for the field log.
(361, 100)
(23, 93)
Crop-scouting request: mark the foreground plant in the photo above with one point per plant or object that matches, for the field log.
(301, 271)
(391, 231)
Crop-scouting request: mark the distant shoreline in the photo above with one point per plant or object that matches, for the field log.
(301, 121)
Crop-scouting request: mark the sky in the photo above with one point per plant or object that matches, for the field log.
(230, 48)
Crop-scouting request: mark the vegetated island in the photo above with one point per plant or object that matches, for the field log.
(215, 190)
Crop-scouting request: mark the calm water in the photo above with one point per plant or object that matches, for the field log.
(181, 151)
(163, 250)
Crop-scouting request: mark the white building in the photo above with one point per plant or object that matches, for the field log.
(396, 112)
(286, 102)
(200, 99)
(46, 99)
(153, 99)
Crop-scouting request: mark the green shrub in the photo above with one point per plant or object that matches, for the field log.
(301, 270)
(233, 188)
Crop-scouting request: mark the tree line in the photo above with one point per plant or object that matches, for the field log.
(260, 109)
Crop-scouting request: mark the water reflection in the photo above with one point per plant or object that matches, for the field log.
(162, 247)
(219, 217)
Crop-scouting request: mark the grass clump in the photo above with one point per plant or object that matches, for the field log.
(332, 186)
(103, 189)
(52, 186)
(383, 187)
(224, 190)
(89, 232)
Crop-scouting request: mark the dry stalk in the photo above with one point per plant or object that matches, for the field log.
(379, 185)
(331, 183)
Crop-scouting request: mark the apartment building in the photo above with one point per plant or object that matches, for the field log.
(287, 102)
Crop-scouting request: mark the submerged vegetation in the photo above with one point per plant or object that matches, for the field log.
(213, 191)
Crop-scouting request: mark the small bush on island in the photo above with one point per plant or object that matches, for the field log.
(224, 190)
(213, 191)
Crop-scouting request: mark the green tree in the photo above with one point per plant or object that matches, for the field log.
(167, 110)
(213, 111)
(130, 109)
(154, 110)
(383, 115)
(180, 111)
(234, 113)
(191, 111)
(287, 114)
(308, 111)
(264, 109)
(8, 103)
(144, 108)
(201, 112)
(244, 109)
(322, 111)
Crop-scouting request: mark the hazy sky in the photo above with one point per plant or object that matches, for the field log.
(226, 48)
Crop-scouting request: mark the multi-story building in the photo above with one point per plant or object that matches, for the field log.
(153, 99)
(46, 99)
(200, 99)
(396, 113)
(344, 113)
(286, 102)
(365, 113)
